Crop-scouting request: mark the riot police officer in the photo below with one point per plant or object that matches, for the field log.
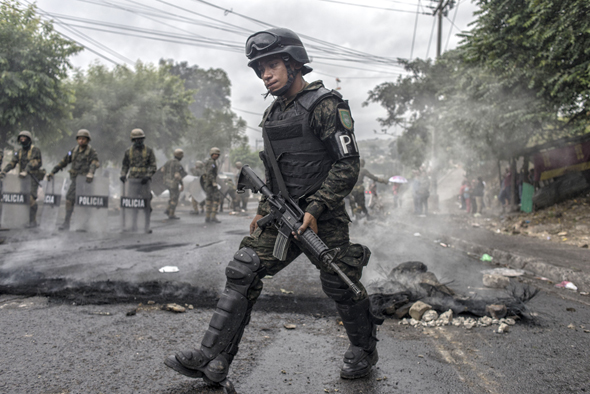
(173, 174)
(309, 138)
(29, 161)
(84, 161)
(139, 160)
(210, 186)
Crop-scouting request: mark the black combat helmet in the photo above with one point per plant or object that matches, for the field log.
(275, 41)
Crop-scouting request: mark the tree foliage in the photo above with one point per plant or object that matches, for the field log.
(519, 77)
(112, 102)
(33, 64)
(216, 124)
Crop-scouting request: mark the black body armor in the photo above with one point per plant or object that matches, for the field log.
(302, 157)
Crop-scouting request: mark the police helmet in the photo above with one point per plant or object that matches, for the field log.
(25, 134)
(215, 151)
(137, 133)
(83, 133)
(178, 153)
(239, 164)
(275, 41)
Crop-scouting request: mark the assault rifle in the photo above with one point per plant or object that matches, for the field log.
(287, 217)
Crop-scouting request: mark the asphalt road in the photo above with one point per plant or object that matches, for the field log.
(65, 328)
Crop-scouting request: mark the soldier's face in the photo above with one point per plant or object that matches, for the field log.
(82, 141)
(23, 139)
(214, 156)
(273, 73)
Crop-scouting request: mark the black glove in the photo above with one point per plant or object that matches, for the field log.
(123, 178)
(145, 180)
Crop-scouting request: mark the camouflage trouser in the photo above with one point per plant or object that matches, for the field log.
(358, 195)
(173, 201)
(351, 258)
(71, 195)
(33, 201)
(212, 202)
(243, 200)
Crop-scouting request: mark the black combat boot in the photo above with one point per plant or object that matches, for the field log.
(361, 327)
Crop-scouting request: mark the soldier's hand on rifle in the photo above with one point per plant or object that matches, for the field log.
(144, 180)
(123, 178)
(50, 176)
(308, 221)
(2, 175)
(22, 174)
(254, 224)
(89, 177)
(181, 187)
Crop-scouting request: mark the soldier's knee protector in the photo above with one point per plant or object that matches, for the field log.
(232, 313)
(335, 288)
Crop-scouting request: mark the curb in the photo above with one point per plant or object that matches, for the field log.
(537, 266)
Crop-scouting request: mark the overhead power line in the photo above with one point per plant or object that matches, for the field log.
(373, 7)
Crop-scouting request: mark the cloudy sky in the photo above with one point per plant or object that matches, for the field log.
(357, 41)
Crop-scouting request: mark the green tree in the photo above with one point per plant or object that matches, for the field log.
(216, 125)
(33, 64)
(246, 155)
(112, 102)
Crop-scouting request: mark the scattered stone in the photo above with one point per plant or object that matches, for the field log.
(414, 322)
(495, 281)
(445, 318)
(485, 321)
(290, 326)
(190, 307)
(571, 326)
(429, 315)
(151, 302)
(496, 311)
(503, 328)
(403, 311)
(508, 321)
(173, 308)
(132, 312)
(418, 309)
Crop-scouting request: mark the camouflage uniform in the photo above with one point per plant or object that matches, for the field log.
(29, 160)
(173, 174)
(83, 161)
(357, 202)
(326, 205)
(139, 162)
(210, 186)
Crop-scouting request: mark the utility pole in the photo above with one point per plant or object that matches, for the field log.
(439, 11)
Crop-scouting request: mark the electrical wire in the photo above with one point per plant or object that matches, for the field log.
(414, 35)
(369, 6)
(431, 34)
(451, 28)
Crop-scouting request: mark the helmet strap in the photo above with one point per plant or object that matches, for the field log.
(291, 76)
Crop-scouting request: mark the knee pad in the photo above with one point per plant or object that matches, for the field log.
(241, 271)
(335, 288)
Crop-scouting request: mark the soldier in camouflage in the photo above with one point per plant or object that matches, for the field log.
(173, 174)
(139, 161)
(84, 161)
(309, 137)
(29, 162)
(210, 186)
(357, 201)
(197, 171)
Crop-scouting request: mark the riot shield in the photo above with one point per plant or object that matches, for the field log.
(223, 188)
(16, 201)
(135, 205)
(158, 186)
(50, 202)
(91, 205)
(194, 188)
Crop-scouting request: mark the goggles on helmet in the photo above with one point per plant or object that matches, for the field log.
(261, 41)
(265, 41)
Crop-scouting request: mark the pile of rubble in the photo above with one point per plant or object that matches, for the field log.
(422, 315)
(566, 222)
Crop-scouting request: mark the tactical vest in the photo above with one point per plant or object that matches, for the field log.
(143, 156)
(302, 157)
(80, 161)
